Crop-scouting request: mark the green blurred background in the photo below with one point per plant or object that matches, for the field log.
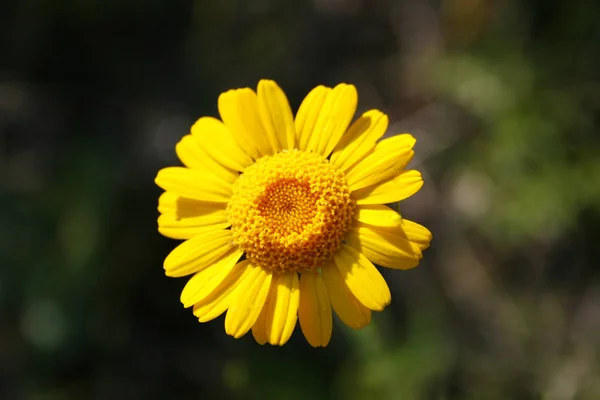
(502, 96)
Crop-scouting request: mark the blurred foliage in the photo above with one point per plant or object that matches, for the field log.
(502, 97)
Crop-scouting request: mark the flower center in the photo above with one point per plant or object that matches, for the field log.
(290, 211)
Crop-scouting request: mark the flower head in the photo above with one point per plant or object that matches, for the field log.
(284, 219)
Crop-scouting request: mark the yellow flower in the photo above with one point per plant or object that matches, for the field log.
(300, 202)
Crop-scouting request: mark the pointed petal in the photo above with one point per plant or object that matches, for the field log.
(276, 116)
(360, 139)
(387, 160)
(307, 115)
(314, 311)
(194, 184)
(239, 111)
(217, 141)
(388, 248)
(248, 302)
(377, 215)
(396, 189)
(205, 281)
(362, 278)
(198, 253)
(347, 307)
(333, 120)
(219, 300)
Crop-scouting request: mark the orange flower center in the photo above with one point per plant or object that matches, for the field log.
(290, 211)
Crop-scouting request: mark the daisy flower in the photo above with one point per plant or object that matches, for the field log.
(284, 218)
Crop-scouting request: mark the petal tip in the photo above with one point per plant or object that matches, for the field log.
(266, 84)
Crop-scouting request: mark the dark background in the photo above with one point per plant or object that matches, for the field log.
(502, 96)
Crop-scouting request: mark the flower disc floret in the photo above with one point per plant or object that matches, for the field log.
(290, 211)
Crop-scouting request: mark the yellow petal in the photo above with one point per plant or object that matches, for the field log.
(198, 253)
(417, 234)
(239, 111)
(174, 228)
(184, 218)
(259, 328)
(248, 302)
(189, 152)
(219, 300)
(385, 162)
(347, 307)
(205, 281)
(333, 120)
(396, 189)
(276, 116)
(308, 113)
(182, 207)
(362, 278)
(314, 311)
(281, 308)
(378, 215)
(360, 139)
(194, 184)
(386, 248)
(193, 156)
(217, 141)
(277, 320)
